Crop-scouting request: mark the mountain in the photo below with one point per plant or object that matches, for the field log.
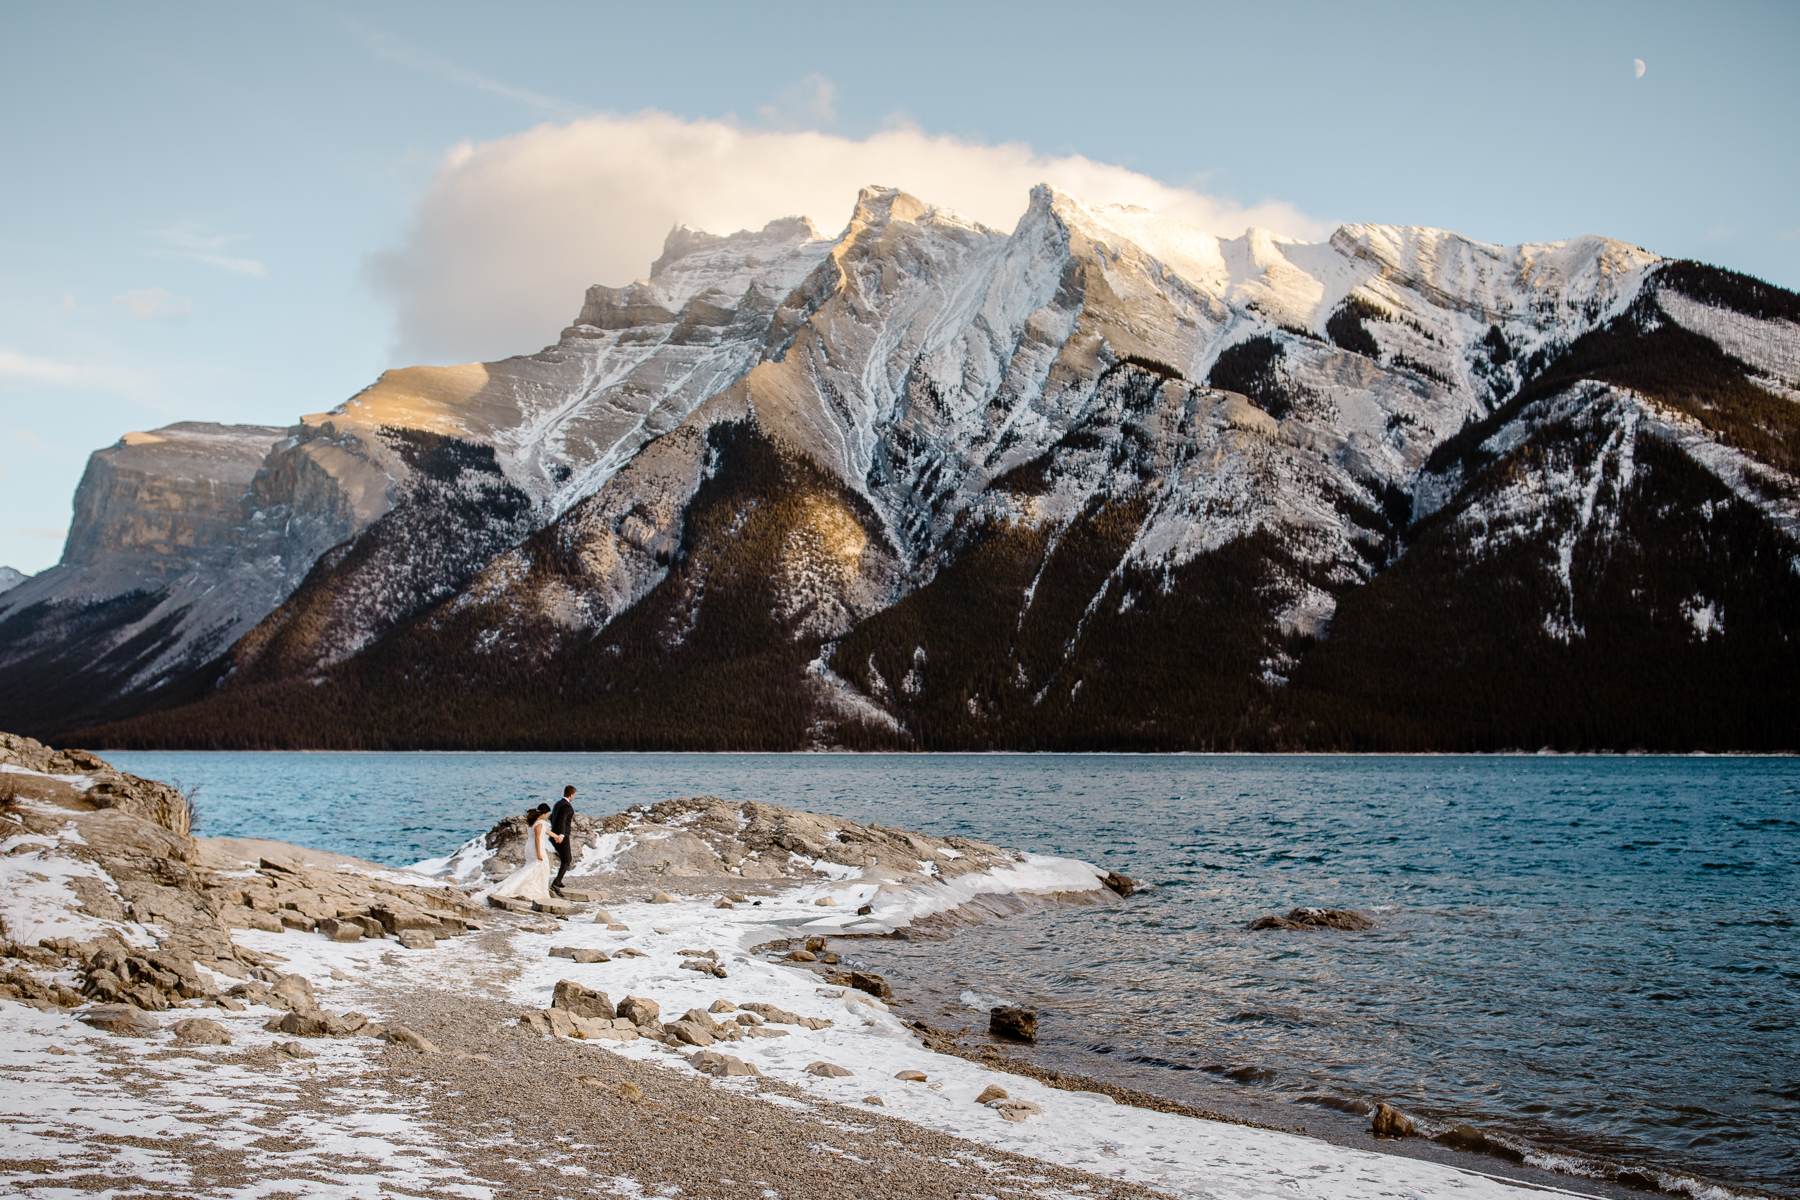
(1102, 481)
(11, 577)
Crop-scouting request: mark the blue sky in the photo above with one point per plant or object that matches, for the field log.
(235, 212)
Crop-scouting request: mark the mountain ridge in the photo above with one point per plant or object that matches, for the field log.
(1145, 443)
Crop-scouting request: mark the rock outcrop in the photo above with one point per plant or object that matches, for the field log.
(1317, 918)
(108, 886)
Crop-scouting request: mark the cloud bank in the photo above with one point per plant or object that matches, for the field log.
(18, 369)
(510, 232)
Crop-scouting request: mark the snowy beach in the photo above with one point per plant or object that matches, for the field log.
(192, 1017)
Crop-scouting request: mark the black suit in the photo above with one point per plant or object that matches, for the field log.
(562, 821)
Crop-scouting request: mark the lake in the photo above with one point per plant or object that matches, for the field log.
(1595, 957)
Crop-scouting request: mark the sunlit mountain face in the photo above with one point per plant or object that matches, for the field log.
(1102, 481)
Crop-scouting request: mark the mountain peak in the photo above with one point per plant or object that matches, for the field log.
(880, 206)
(782, 233)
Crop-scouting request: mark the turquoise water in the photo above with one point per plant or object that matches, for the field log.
(1596, 957)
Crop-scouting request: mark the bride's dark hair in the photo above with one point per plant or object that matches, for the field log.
(532, 814)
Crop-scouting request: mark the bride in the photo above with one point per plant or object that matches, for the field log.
(532, 881)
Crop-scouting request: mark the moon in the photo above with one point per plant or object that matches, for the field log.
(1638, 68)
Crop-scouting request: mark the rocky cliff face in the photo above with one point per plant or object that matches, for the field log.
(186, 538)
(1101, 480)
(157, 503)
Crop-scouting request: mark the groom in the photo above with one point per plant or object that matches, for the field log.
(562, 821)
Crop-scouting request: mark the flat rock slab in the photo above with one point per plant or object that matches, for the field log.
(711, 1062)
(121, 1019)
(554, 908)
(580, 954)
(199, 1031)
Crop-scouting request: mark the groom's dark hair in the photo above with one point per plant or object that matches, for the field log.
(568, 791)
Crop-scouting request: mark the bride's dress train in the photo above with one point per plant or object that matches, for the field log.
(531, 881)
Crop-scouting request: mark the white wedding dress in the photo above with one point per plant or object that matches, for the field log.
(531, 881)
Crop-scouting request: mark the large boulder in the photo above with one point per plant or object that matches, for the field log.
(875, 985)
(639, 1010)
(581, 1001)
(1013, 1023)
(1389, 1122)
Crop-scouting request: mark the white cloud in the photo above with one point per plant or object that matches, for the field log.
(26, 370)
(511, 231)
(194, 242)
(153, 304)
(808, 104)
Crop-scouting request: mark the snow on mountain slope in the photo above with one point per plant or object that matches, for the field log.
(635, 361)
(1079, 421)
(11, 577)
(559, 421)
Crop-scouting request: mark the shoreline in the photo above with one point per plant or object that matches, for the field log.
(1296, 1117)
(846, 753)
(694, 950)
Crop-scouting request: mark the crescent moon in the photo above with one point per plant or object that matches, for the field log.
(1638, 68)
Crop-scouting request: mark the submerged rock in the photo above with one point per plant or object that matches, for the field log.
(1013, 1023)
(1317, 918)
(1467, 1137)
(1124, 885)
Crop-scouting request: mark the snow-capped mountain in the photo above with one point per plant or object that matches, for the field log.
(1102, 480)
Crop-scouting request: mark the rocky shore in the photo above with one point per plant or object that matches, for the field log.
(231, 1018)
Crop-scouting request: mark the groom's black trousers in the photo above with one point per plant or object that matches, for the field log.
(563, 855)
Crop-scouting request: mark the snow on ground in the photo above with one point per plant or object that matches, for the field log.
(463, 865)
(77, 1105)
(37, 892)
(1086, 1130)
(80, 1109)
(80, 783)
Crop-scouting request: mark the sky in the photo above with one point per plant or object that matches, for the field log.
(245, 213)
